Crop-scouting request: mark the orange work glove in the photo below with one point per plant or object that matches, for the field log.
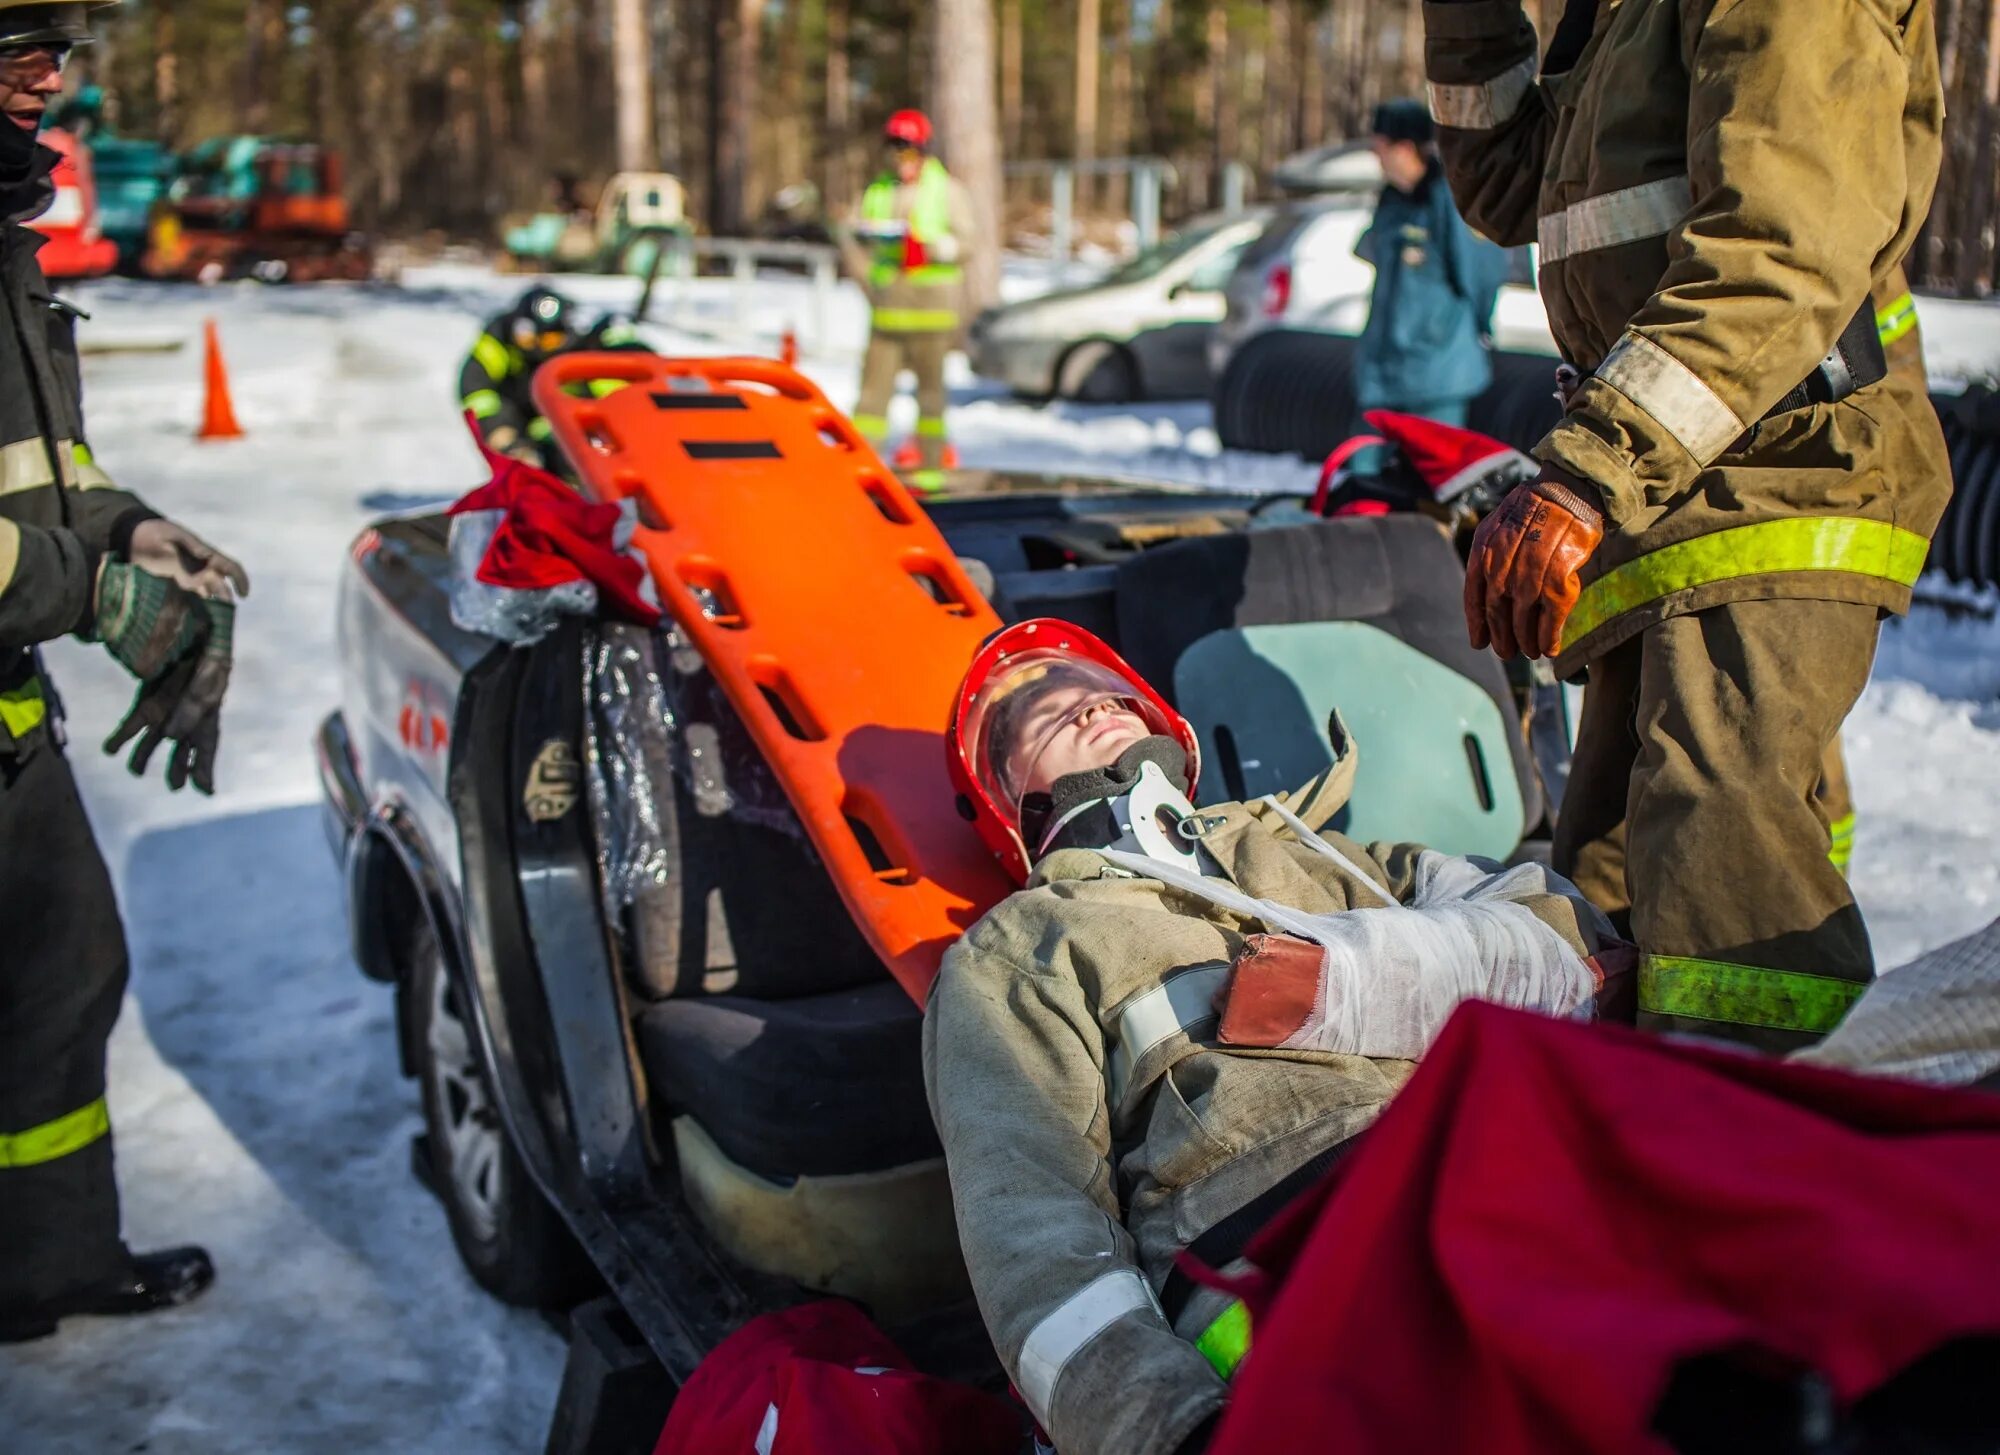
(1521, 579)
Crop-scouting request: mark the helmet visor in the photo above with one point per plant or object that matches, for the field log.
(1017, 714)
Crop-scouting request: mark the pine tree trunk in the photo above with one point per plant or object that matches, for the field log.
(1089, 36)
(632, 83)
(1010, 74)
(969, 134)
(166, 77)
(839, 186)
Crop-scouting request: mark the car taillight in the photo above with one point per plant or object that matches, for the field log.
(1277, 290)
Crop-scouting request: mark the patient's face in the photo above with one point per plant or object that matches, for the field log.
(1072, 730)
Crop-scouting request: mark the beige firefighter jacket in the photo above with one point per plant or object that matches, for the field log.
(1093, 1127)
(1716, 187)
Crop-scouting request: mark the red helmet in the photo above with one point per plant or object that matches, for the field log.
(1015, 668)
(908, 128)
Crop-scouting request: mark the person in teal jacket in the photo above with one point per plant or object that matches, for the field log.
(1424, 349)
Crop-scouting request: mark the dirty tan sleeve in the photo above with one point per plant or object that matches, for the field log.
(1803, 190)
(1014, 1066)
(1494, 126)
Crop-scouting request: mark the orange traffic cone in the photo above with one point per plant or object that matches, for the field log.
(218, 415)
(788, 347)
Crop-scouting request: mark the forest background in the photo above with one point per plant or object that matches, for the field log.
(453, 114)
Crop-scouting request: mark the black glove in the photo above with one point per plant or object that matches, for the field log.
(147, 622)
(184, 705)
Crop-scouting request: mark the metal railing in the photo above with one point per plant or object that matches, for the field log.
(677, 264)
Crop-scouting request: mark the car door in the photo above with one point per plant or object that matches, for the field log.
(1173, 356)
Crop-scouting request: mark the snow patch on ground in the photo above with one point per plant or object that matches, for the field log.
(253, 1081)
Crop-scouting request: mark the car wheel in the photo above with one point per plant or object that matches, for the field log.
(512, 1242)
(1098, 372)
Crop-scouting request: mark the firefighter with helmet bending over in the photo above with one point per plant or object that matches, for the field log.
(1741, 487)
(494, 384)
(906, 243)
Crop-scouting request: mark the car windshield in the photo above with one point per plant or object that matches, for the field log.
(1160, 254)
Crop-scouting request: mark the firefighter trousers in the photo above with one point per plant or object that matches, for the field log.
(923, 354)
(1694, 799)
(62, 977)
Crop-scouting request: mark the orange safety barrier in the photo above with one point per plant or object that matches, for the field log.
(826, 603)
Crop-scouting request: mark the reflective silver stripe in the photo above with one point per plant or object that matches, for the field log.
(1062, 1335)
(1673, 394)
(1486, 104)
(24, 465)
(1177, 1005)
(767, 1433)
(1627, 215)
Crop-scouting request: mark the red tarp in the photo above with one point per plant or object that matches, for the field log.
(1551, 1216)
(549, 536)
(820, 1379)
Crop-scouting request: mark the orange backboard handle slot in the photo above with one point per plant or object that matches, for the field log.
(833, 614)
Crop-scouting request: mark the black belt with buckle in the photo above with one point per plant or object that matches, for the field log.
(1853, 363)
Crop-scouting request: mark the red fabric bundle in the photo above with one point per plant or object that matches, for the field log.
(549, 536)
(1550, 1217)
(1447, 459)
(820, 1379)
(1451, 460)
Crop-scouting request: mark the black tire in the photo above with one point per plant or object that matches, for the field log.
(511, 1241)
(1098, 371)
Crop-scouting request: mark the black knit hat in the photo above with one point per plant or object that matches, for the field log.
(1405, 120)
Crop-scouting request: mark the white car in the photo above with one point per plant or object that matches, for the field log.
(1302, 273)
(1141, 332)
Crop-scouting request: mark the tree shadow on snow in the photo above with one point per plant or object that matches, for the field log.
(243, 976)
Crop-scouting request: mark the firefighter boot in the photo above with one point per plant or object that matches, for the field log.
(149, 1282)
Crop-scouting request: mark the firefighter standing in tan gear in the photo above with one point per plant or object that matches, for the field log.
(1739, 488)
(906, 243)
(77, 556)
(1903, 349)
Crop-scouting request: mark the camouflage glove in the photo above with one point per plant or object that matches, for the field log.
(184, 706)
(147, 622)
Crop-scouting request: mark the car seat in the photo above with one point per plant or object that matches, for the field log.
(1257, 637)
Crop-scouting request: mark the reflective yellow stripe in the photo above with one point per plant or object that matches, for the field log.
(1841, 832)
(1895, 321)
(930, 429)
(1486, 104)
(928, 481)
(24, 465)
(22, 708)
(1743, 995)
(492, 356)
(484, 403)
(10, 551)
(69, 1133)
(539, 428)
(1807, 543)
(1225, 1342)
(915, 320)
(872, 426)
(601, 387)
(88, 474)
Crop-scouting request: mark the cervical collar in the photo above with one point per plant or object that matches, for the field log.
(1136, 804)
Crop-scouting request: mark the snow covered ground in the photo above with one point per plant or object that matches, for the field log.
(253, 1082)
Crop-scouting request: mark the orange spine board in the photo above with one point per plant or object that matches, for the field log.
(831, 611)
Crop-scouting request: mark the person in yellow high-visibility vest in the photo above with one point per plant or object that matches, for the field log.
(905, 244)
